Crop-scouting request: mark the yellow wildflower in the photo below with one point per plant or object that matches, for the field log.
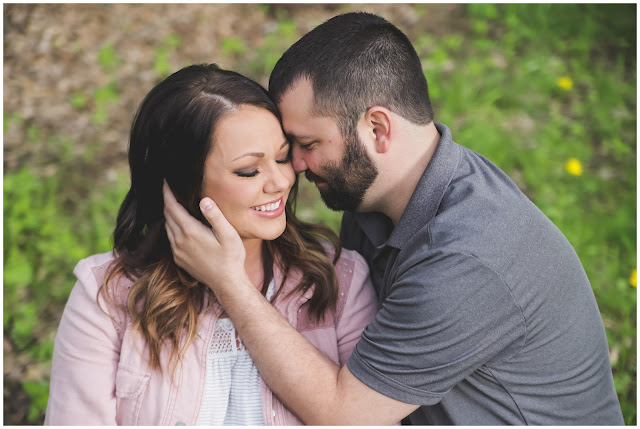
(565, 83)
(574, 167)
(633, 279)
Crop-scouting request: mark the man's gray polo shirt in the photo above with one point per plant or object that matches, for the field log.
(486, 314)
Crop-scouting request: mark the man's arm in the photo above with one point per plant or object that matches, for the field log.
(304, 379)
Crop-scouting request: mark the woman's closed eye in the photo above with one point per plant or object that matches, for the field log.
(246, 173)
(251, 173)
(284, 160)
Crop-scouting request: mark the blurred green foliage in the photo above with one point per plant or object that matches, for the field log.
(162, 65)
(78, 100)
(546, 91)
(103, 97)
(50, 223)
(108, 58)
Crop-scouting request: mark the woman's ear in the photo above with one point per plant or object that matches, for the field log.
(378, 119)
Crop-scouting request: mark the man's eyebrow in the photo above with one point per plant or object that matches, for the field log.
(297, 138)
(259, 154)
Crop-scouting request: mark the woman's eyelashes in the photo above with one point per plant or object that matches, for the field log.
(285, 160)
(243, 173)
(246, 173)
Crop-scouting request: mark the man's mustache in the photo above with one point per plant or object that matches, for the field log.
(311, 177)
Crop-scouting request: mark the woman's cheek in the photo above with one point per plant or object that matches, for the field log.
(292, 175)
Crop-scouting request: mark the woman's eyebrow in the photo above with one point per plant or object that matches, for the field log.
(259, 154)
(256, 154)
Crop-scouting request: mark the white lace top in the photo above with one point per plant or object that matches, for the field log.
(232, 386)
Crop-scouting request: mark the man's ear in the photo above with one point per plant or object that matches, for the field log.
(378, 119)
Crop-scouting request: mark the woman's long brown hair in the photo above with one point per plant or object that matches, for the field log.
(170, 139)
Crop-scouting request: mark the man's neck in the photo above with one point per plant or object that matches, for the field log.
(402, 175)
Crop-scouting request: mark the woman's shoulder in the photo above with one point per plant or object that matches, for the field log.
(355, 290)
(349, 266)
(94, 261)
(93, 270)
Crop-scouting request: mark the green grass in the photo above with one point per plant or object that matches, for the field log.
(528, 86)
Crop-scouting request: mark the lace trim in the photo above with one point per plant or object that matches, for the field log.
(225, 333)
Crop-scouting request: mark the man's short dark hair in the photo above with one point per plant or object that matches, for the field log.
(355, 61)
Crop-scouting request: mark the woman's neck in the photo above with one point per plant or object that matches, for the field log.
(253, 263)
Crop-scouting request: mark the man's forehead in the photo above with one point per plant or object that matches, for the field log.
(300, 90)
(300, 83)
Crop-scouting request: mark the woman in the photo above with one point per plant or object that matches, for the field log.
(143, 342)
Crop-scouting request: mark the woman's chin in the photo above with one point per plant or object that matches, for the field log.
(272, 235)
(266, 232)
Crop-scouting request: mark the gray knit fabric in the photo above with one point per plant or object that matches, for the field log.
(487, 316)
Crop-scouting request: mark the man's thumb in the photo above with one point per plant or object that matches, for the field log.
(221, 227)
(206, 205)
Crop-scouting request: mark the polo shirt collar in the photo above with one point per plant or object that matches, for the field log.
(425, 200)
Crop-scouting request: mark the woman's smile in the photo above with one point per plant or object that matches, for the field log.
(270, 210)
(268, 206)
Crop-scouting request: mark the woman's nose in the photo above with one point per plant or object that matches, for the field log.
(280, 179)
(297, 159)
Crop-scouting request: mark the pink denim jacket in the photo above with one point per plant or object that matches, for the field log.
(99, 376)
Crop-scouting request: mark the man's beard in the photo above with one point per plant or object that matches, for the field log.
(347, 182)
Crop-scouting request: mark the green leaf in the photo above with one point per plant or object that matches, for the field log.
(17, 269)
(78, 100)
(107, 57)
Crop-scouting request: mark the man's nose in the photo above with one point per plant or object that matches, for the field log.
(297, 159)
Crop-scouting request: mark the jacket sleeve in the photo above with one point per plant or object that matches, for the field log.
(357, 307)
(85, 359)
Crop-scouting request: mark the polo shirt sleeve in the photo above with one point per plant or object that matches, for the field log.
(444, 316)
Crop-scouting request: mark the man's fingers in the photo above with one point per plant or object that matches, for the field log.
(172, 229)
(219, 224)
(173, 209)
(181, 224)
(167, 194)
(181, 227)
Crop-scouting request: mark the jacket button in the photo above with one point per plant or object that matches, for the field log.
(180, 423)
(273, 413)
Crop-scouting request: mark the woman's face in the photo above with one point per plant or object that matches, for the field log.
(248, 172)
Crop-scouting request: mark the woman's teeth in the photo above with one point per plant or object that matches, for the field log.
(268, 207)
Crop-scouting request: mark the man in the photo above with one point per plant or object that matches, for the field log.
(486, 314)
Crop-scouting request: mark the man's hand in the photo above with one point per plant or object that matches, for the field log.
(305, 379)
(215, 256)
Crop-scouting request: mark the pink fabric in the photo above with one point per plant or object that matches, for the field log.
(100, 377)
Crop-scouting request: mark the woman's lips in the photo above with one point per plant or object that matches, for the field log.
(269, 210)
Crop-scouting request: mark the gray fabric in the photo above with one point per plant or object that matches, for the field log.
(486, 314)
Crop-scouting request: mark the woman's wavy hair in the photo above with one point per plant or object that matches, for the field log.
(171, 136)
